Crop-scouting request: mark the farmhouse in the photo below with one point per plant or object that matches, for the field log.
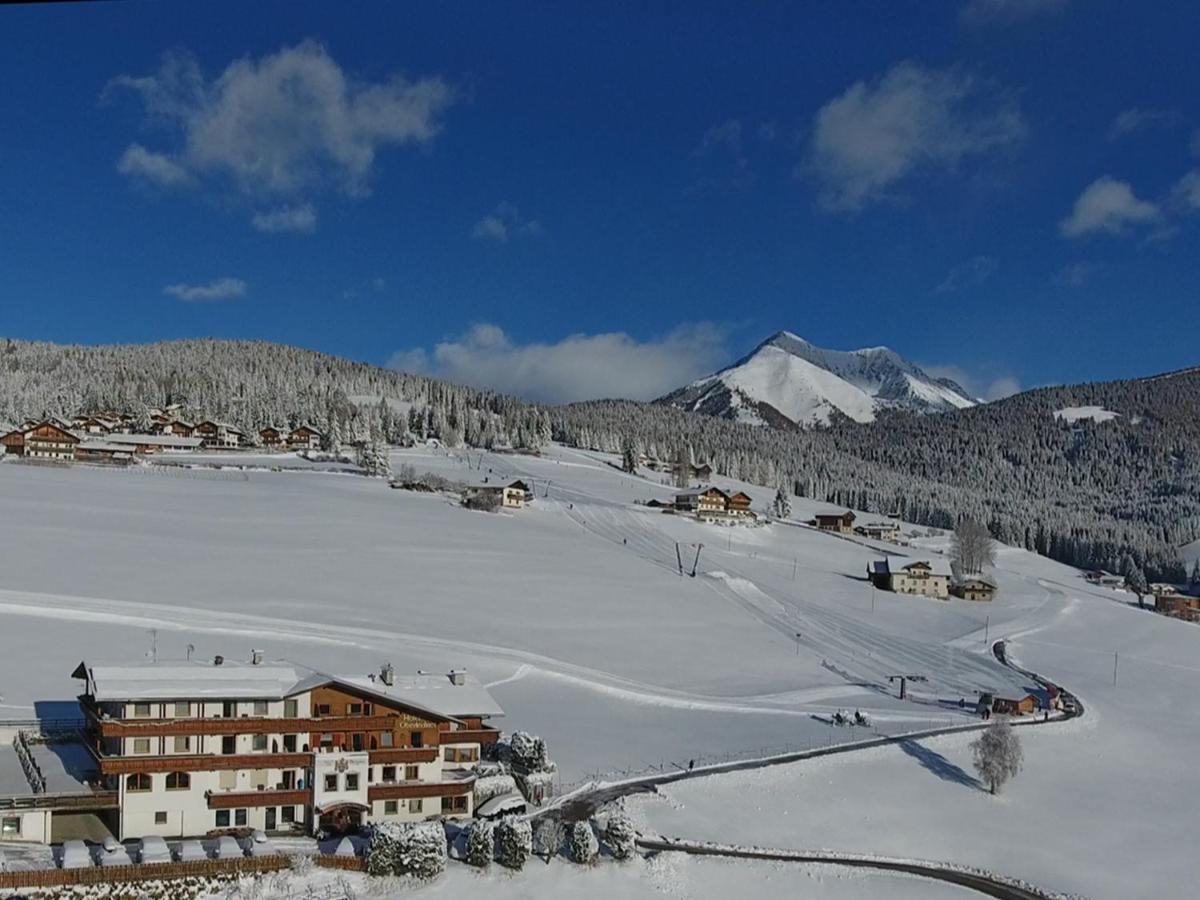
(13, 442)
(192, 748)
(739, 504)
(1021, 707)
(508, 496)
(931, 579)
(103, 451)
(218, 435)
(50, 441)
(176, 427)
(842, 523)
(1108, 579)
(702, 500)
(880, 531)
(1178, 606)
(973, 587)
(304, 437)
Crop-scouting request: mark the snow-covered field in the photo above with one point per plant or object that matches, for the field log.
(574, 610)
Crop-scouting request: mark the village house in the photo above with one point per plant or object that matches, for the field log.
(973, 587)
(701, 500)
(175, 427)
(1178, 606)
(739, 505)
(508, 496)
(842, 523)
(1022, 707)
(154, 443)
(880, 531)
(1106, 579)
(93, 424)
(50, 441)
(304, 437)
(218, 435)
(271, 437)
(14, 442)
(103, 451)
(194, 748)
(932, 579)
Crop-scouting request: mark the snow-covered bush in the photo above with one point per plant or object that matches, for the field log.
(491, 786)
(480, 843)
(514, 842)
(582, 845)
(528, 753)
(548, 836)
(620, 835)
(422, 851)
(383, 851)
(537, 786)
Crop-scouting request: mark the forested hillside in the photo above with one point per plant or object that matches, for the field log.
(1083, 492)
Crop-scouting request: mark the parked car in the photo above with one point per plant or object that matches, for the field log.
(74, 855)
(190, 851)
(153, 850)
(227, 847)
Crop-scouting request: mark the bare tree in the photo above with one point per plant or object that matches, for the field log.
(972, 547)
(998, 754)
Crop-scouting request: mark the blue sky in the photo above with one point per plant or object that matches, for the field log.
(565, 205)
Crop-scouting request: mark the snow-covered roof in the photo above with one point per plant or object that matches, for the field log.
(437, 694)
(162, 440)
(104, 446)
(891, 566)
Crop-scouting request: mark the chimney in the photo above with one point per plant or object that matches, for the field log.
(387, 674)
(458, 676)
(217, 660)
(256, 657)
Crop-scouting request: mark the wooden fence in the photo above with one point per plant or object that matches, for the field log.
(206, 868)
(347, 863)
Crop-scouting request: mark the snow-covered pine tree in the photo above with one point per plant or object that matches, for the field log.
(480, 843)
(514, 842)
(582, 845)
(783, 504)
(620, 835)
(422, 850)
(383, 850)
(548, 837)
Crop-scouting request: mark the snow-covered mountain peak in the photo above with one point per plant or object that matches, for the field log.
(787, 379)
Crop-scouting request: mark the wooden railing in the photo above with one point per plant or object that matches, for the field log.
(128, 765)
(240, 799)
(470, 736)
(127, 728)
(403, 755)
(420, 789)
(207, 868)
(91, 800)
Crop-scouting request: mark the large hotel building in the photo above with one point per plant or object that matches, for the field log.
(192, 748)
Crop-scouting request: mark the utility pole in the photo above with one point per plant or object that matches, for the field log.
(1114, 668)
(987, 621)
(794, 563)
(679, 558)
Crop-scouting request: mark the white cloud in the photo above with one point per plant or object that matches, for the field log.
(981, 386)
(987, 12)
(877, 133)
(217, 289)
(1186, 193)
(1136, 119)
(301, 218)
(280, 126)
(1109, 206)
(1076, 274)
(971, 273)
(504, 223)
(156, 168)
(578, 367)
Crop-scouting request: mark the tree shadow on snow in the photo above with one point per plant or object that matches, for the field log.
(939, 765)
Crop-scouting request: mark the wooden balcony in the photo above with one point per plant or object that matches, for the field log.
(244, 799)
(470, 736)
(403, 755)
(205, 762)
(128, 728)
(405, 790)
(61, 802)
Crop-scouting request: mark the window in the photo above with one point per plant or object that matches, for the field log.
(141, 710)
(291, 710)
(141, 745)
(367, 709)
(454, 804)
(287, 813)
(160, 818)
(10, 826)
(389, 773)
(390, 807)
(260, 743)
(411, 773)
(229, 744)
(222, 818)
(259, 779)
(227, 779)
(183, 744)
(352, 781)
(178, 781)
(139, 781)
(415, 804)
(228, 709)
(331, 782)
(289, 743)
(239, 815)
(183, 709)
(416, 739)
(260, 707)
(386, 739)
(322, 709)
(354, 709)
(356, 742)
(327, 742)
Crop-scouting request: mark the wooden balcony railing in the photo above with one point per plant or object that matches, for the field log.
(127, 728)
(403, 755)
(470, 736)
(211, 762)
(405, 790)
(243, 799)
(65, 802)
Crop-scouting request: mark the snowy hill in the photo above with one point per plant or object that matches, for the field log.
(786, 380)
